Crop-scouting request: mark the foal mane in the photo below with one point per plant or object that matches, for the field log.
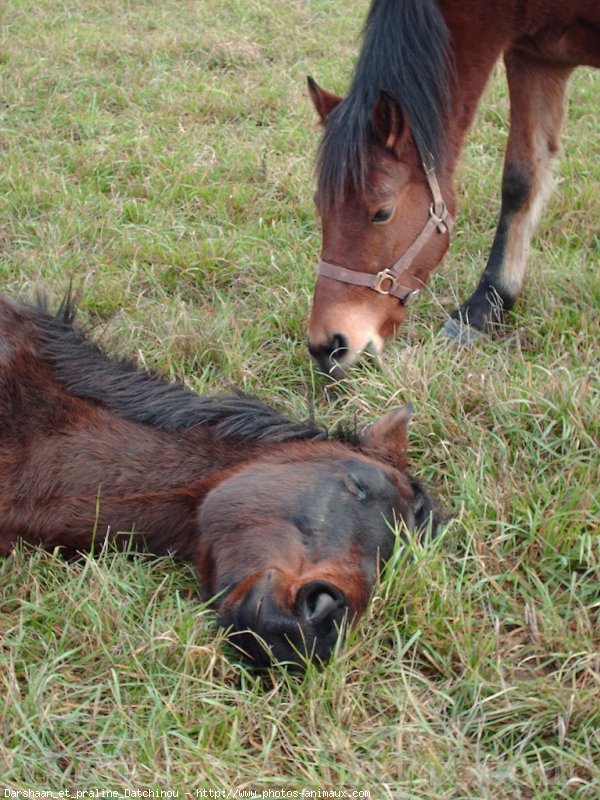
(146, 398)
(405, 53)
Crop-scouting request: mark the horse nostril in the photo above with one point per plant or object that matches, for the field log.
(319, 602)
(338, 345)
(329, 355)
(324, 604)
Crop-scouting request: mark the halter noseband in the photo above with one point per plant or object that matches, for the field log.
(387, 280)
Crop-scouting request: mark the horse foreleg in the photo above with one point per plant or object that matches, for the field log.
(537, 102)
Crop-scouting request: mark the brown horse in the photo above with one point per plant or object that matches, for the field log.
(388, 155)
(286, 527)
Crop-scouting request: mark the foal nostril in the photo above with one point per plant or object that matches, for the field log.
(319, 602)
(329, 355)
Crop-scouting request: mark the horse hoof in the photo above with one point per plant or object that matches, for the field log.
(459, 332)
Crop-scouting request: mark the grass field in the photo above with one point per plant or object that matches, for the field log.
(161, 154)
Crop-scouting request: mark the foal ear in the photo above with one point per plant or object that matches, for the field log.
(390, 122)
(323, 100)
(387, 438)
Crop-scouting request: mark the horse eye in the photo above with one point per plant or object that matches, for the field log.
(382, 215)
(356, 486)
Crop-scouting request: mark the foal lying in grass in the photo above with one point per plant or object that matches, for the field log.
(287, 527)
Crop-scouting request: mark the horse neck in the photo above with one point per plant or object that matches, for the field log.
(104, 474)
(180, 469)
(474, 56)
(168, 475)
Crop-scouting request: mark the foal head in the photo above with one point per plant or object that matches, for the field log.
(294, 539)
(385, 226)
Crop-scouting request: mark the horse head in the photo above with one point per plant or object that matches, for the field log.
(295, 539)
(385, 226)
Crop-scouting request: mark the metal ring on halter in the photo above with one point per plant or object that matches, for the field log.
(439, 217)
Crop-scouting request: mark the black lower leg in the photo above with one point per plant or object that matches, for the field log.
(491, 298)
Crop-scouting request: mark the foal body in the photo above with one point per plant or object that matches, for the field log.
(390, 148)
(287, 527)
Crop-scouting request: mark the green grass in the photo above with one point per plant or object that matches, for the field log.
(161, 154)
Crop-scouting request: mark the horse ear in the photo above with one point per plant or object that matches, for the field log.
(323, 100)
(387, 438)
(390, 122)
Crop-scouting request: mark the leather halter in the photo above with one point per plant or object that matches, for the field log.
(387, 281)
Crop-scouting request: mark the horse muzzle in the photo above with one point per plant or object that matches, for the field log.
(266, 632)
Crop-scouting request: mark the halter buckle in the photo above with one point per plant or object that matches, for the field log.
(411, 297)
(382, 277)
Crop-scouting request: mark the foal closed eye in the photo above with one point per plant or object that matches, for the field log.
(355, 487)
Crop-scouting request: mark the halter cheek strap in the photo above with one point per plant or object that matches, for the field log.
(387, 281)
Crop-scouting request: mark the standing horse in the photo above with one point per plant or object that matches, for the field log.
(388, 155)
(287, 527)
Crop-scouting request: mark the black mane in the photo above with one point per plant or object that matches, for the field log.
(405, 54)
(142, 397)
